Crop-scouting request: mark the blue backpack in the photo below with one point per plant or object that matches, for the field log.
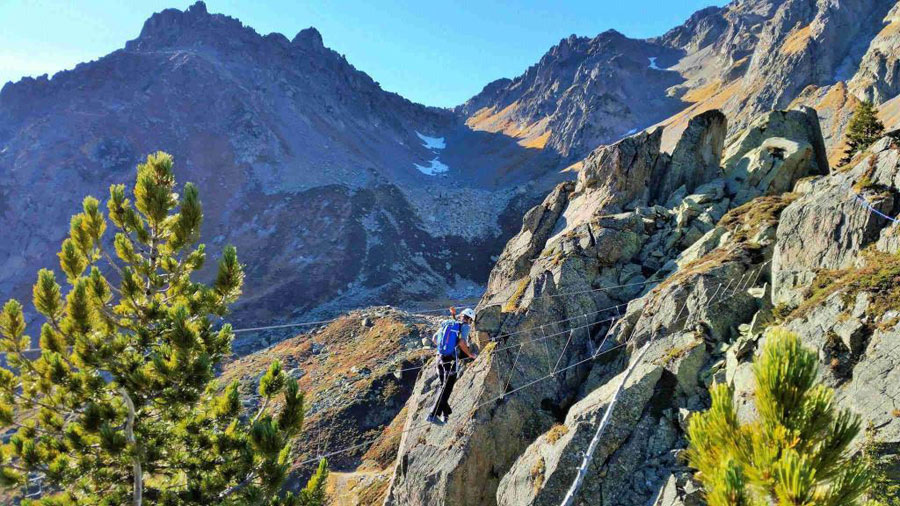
(448, 337)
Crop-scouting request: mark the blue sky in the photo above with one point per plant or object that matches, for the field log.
(433, 52)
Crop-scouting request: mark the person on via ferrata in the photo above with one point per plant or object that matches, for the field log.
(451, 336)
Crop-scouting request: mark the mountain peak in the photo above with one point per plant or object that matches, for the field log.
(198, 9)
(171, 27)
(308, 37)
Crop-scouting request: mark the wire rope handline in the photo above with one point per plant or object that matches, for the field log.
(505, 393)
(569, 498)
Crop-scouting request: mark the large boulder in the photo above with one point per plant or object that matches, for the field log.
(619, 175)
(537, 226)
(771, 168)
(799, 125)
(774, 152)
(697, 156)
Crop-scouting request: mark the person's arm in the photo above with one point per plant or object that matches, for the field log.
(465, 348)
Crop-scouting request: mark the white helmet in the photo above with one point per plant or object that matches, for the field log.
(468, 312)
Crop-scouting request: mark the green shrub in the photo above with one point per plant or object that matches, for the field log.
(795, 453)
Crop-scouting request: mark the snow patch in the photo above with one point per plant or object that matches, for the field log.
(434, 167)
(653, 63)
(432, 142)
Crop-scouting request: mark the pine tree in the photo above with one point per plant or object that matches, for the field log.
(121, 405)
(795, 453)
(864, 129)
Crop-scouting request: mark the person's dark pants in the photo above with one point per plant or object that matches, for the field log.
(447, 373)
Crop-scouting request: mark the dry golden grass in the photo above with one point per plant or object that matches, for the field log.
(746, 220)
(743, 222)
(879, 276)
(356, 489)
(481, 116)
(673, 354)
(835, 107)
(489, 119)
(537, 473)
(384, 451)
(675, 124)
(536, 142)
(575, 167)
(512, 304)
(890, 30)
(702, 93)
(348, 344)
(797, 41)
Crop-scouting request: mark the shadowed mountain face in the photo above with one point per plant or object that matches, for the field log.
(334, 190)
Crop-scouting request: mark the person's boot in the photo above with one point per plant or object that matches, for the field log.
(432, 419)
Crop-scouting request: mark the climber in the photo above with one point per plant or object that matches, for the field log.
(451, 336)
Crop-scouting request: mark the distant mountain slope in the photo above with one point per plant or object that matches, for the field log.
(746, 58)
(335, 191)
(583, 92)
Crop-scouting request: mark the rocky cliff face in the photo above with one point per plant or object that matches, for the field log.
(617, 260)
(336, 192)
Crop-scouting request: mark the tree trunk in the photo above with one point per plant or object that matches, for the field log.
(135, 460)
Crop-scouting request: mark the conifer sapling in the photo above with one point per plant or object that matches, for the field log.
(864, 129)
(794, 453)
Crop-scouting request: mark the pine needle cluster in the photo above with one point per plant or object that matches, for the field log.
(794, 453)
(121, 404)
